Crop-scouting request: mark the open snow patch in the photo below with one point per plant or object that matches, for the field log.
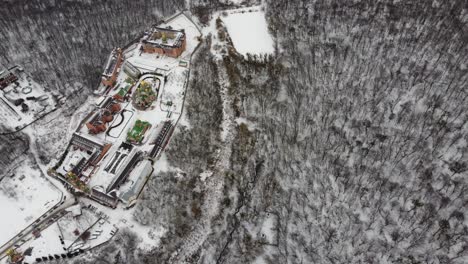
(25, 197)
(249, 31)
(205, 175)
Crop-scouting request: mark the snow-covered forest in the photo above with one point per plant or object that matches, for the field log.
(347, 146)
(63, 45)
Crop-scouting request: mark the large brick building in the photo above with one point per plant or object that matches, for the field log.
(97, 122)
(164, 41)
(112, 67)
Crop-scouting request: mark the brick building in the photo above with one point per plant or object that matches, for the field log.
(112, 67)
(6, 77)
(164, 41)
(98, 120)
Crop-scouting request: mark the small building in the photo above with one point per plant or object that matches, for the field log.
(115, 108)
(107, 116)
(112, 67)
(6, 78)
(164, 41)
(183, 63)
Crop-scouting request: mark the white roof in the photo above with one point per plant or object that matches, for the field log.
(138, 178)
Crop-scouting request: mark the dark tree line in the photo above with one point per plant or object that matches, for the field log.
(350, 145)
(63, 45)
(362, 133)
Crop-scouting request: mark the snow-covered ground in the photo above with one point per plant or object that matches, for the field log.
(192, 32)
(64, 236)
(248, 30)
(38, 101)
(172, 96)
(24, 198)
(27, 197)
(168, 104)
(121, 122)
(157, 113)
(72, 226)
(48, 243)
(123, 218)
(268, 230)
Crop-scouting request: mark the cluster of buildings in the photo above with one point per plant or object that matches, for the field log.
(98, 120)
(81, 157)
(79, 163)
(158, 40)
(6, 78)
(111, 155)
(116, 171)
(22, 100)
(126, 166)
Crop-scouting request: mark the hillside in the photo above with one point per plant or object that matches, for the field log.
(347, 145)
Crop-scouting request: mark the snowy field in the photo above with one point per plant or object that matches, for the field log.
(59, 238)
(148, 236)
(248, 30)
(47, 244)
(172, 96)
(26, 89)
(25, 197)
(72, 227)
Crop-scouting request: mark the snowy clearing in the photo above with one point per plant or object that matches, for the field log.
(248, 30)
(23, 101)
(65, 236)
(25, 196)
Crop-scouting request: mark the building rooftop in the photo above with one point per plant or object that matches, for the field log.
(112, 62)
(3, 71)
(136, 180)
(164, 37)
(91, 141)
(115, 168)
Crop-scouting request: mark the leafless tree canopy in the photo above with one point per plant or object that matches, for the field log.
(349, 144)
